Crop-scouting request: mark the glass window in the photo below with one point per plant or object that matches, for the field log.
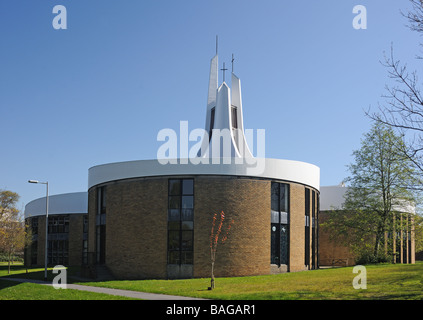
(173, 257)
(274, 218)
(279, 240)
(211, 123)
(188, 186)
(173, 238)
(284, 196)
(35, 225)
(174, 215)
(187, 225)
(275, 197)
(187, 202)
(234, 118)
(187, 214)
(187, 240)
(174, 202)
(284, 218)
(101, 200)
(174, 225)
(174, 187)
(180, 221)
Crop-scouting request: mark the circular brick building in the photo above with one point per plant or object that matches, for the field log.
(67, 230)
(154, 218)
(148, 220)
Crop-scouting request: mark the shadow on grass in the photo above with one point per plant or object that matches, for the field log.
(21, 272)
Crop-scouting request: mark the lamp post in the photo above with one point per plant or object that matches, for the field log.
(46, 240)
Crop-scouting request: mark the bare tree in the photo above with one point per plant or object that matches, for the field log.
(404, 102)
(214, 241)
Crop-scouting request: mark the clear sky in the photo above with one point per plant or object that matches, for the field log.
(100, 91)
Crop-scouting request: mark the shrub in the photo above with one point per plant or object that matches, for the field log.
(371, 258)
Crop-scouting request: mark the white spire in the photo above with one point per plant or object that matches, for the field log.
(224, 112)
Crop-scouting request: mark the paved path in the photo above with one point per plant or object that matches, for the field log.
(116, 292)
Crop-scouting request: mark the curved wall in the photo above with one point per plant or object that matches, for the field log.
(67, 215)
(136, 241)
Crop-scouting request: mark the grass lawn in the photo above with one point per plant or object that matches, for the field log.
(11, 290)
(387, 281)
(384, 282)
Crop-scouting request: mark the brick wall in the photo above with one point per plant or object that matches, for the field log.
(247, 202)
(75, 237)
(136, 226)
(297, 234)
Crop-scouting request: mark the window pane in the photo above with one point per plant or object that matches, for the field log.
(187, 186)
(284, 244)
(174, 187)
(173, 214)
(174, 225)
(234, 118)
(174, 202)
(284, 218)
(186, 240)
(187, 202)
(274, 218)
(275, 197)
(173, 257)
(274, 255)
(103, 200)
(307, 221)
(187, 214)
(187, 225)
(173, 240)
(284, 197)
(211, 122)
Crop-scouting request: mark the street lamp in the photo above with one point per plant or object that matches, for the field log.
(45, 250)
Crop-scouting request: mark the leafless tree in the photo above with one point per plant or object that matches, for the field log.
(403, 109)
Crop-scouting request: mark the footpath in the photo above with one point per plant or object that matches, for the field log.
(116, 292)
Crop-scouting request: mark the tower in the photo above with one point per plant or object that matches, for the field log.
(224, 119)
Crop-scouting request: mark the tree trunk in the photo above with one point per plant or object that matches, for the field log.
(9, 257)
(212, 277)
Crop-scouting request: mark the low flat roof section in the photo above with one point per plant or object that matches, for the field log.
(65, 203)
(288, 170)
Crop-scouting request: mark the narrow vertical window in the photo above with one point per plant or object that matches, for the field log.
(58, 240)
(211, 122)
(101, 225)
(279, 241)
(313, 230)
(307, 229)
(234, 117)
(180, 221)
(85, 240)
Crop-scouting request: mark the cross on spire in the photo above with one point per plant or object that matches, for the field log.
(223, 69)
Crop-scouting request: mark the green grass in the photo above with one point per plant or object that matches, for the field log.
(384, 282)
(11, 290)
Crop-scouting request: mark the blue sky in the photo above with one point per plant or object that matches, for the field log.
(100, 91)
